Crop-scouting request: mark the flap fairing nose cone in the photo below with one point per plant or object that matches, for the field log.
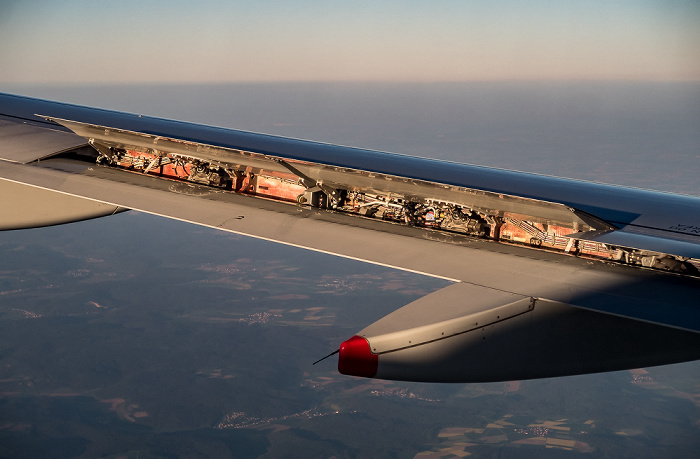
(356, 358)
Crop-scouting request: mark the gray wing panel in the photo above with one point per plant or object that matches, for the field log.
(655, 297)
(24, 143)
(25, 206)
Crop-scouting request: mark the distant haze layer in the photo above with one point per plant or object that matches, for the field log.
(218, 41)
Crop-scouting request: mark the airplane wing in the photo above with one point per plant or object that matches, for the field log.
(550, 276)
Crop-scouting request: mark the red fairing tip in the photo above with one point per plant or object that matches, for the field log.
(356, 358)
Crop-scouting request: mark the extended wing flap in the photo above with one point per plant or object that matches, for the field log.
(109, 137)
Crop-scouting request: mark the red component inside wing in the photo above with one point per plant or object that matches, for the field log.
(356, 358)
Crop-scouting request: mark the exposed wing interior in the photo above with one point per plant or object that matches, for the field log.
(105, 138)
(653, 240)
(478, 212)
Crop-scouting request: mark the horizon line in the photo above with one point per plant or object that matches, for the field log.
(349, 81)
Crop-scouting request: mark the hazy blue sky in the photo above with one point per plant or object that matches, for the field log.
(187, 41)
